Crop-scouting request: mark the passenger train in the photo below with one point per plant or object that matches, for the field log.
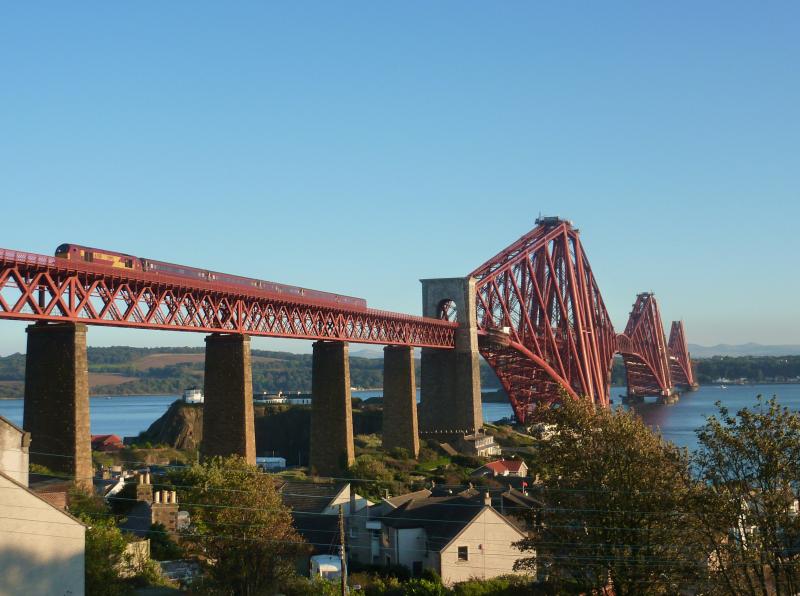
(74, 252)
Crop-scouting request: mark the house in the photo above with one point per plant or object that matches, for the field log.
(364, 527)
(14, 448)
(459, 537)
(41, 546)
(321, 497)
(150, 507)
(503, 467)
(106, 443)
(315, 512)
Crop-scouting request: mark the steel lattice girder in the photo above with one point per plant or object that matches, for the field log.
(41, 288)
(679, 360)
(541, 290)
(644, 349)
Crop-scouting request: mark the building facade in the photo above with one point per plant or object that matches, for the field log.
(41, 547)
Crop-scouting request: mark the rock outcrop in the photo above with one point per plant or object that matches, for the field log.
(284, 431)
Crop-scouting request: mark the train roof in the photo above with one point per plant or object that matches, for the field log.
(68, 245)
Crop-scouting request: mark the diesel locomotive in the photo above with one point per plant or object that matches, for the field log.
(74, 252)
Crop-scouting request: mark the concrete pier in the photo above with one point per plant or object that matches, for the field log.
(400, 400)
(56, 410)
(450, 379)
(332, 450)
(228, 427)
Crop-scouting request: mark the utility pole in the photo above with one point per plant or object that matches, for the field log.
(342, 554)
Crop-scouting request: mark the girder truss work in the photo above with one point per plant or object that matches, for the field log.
(679, 360)
(542, 323)
(644, 349)
(41, 288)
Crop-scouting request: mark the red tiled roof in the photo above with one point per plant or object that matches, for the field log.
(106, 439)
(503, 465)
(100, 441)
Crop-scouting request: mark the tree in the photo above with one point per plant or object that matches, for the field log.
(105, 556)
(747, 502)
(105, 545)
(239, 526)
(614, 497)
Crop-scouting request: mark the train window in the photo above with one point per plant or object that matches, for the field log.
(129, 263)
(88, 256)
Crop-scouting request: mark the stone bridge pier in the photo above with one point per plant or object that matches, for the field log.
(332, 450)
(56, 406)
(450, 379)
(228, 425)
(400, 400)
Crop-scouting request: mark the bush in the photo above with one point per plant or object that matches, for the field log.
(303, 586)
(497, 586)
(162, 546)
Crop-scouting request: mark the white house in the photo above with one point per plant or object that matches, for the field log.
(41, 546)
(457, 537)
(14, 444)
(503, 467)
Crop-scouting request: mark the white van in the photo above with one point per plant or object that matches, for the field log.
(326, 567)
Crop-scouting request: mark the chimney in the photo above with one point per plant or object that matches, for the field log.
(173, 497)
(158, 496)
(487, 499)
(141, 479)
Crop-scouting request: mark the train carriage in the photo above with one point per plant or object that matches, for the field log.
(76, 252)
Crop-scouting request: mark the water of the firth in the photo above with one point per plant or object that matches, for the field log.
(126, 416)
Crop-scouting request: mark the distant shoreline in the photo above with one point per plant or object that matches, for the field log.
(175, 395)
(494, 395)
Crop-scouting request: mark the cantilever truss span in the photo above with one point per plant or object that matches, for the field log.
(544, 330)
(542, 323)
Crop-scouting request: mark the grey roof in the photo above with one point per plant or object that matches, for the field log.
(12, 425)
(401, 499)
(311, 497)
(442, 517)
(139, 519)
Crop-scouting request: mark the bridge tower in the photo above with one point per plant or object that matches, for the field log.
(450, 379)
(644, 349)
(680, 361)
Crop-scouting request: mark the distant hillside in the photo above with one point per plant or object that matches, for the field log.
(141, 371)
(123, 370)
(748, 349)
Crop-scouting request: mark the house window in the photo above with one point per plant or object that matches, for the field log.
(416, 568)
(463, 553)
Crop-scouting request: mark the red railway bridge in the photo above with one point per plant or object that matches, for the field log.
(541, 323)
(534, 311)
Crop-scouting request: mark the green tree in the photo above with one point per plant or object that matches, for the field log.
(614, 495)
(162, 546)
(746, 505)
(239, 525)
(105, 555)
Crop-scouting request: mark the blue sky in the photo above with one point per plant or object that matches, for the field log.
(358, 147)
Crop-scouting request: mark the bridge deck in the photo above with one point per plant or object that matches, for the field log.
(37, 287)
